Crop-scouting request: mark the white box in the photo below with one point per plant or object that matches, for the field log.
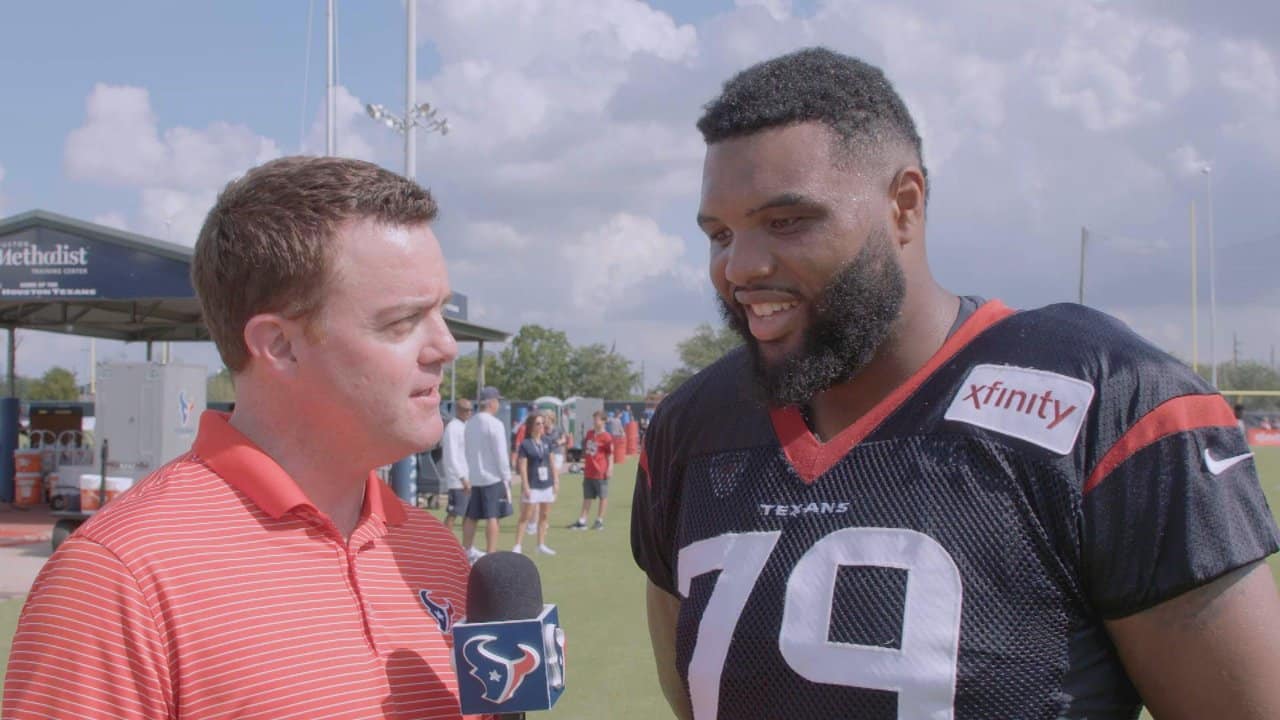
(148, 413)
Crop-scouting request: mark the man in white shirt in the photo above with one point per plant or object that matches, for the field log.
(489, 471)
(454, 459)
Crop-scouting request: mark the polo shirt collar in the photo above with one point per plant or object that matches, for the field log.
(244, 466)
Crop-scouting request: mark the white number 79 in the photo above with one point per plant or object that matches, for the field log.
(922, 672)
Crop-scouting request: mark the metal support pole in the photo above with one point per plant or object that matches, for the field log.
(13, 360)
(331, 94)
(479, 369)
(1084, 237)
(1213, 293)
(1195, 297)
(410, 92)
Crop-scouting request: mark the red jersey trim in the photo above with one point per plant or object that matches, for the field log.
(811, 458)
(1175, 415)
(247, 468)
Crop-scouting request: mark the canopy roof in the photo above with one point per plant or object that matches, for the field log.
(63, 275)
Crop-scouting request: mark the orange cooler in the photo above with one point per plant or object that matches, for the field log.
(28, 489)
(91, 484)
(28, 460)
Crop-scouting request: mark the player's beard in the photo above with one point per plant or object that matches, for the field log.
(848, 320)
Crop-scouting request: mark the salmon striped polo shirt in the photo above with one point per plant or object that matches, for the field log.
(215, 589)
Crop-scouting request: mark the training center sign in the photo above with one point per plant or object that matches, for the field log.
(43, 263)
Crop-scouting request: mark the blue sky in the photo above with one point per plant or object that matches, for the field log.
(574, 166)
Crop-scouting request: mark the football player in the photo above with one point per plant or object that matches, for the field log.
(897, 502)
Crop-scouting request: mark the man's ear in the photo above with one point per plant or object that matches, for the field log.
(907, 198)
(270, 340)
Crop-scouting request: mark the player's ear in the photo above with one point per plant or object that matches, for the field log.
(270, 339)
(906, 202)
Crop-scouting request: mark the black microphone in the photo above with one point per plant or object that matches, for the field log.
(503, 586)
(510, 651)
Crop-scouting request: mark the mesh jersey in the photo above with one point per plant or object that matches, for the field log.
(954, 552)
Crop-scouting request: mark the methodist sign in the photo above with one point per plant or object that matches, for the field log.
(45, 262)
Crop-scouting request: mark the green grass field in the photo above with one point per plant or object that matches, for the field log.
(600, 593)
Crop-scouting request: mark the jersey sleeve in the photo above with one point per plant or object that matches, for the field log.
(87, 644)
(1174, 503)
(655, 506)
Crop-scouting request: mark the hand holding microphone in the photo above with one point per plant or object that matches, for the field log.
(509, 654)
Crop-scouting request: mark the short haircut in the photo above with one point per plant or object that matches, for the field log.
(597, 415)
(855, 100)
(268, 242)
(463, 405)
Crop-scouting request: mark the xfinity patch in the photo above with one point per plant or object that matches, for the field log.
(1040, 407)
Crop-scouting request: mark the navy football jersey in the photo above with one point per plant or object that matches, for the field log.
(954, 553)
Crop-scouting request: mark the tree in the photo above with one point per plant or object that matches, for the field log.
(1249, 376)
(601, 373)
(533, 364)
(57, 384)
(705, 346)
(220, 387)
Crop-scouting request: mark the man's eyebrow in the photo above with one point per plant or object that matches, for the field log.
(392, 312)
(783, 200)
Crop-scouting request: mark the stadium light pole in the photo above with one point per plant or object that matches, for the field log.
(1213, 295)
(415, 115)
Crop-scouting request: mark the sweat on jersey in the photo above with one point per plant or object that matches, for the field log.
(953, 553)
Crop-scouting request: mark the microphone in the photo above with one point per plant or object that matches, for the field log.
(509, 653)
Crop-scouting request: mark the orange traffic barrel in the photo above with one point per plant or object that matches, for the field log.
(633, 438)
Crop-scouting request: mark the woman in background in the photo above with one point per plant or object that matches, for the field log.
(539, 479)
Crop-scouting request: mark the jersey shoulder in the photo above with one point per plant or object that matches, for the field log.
(716, 409)
(1088, 345)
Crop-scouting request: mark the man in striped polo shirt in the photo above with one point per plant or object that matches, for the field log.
(268, 573)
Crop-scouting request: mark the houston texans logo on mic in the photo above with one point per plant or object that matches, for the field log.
(501, 675)
(442, 613)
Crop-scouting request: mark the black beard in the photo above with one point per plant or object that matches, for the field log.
(848, 321)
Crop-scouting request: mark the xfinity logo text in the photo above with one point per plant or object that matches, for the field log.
(983, 395)
(28, 255)
(1040, 407)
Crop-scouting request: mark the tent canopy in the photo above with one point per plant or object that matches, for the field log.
(63, 275)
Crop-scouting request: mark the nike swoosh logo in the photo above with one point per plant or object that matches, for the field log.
(1217, 467)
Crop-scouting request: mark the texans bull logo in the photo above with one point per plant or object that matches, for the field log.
(442, 613)
(501, 676)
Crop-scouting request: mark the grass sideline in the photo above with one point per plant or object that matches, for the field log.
(600, 593)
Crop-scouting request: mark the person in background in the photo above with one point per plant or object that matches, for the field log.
(597, 468)
(489, 471)
(557, 439)
(454, 462)
(539, 480)
(262, 574)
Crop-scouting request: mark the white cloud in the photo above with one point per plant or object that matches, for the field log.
(625, 252)
(177, 172)
(112, 219)
(120, 144)
(1187, 161)
(1250, 72)
(777, 9)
